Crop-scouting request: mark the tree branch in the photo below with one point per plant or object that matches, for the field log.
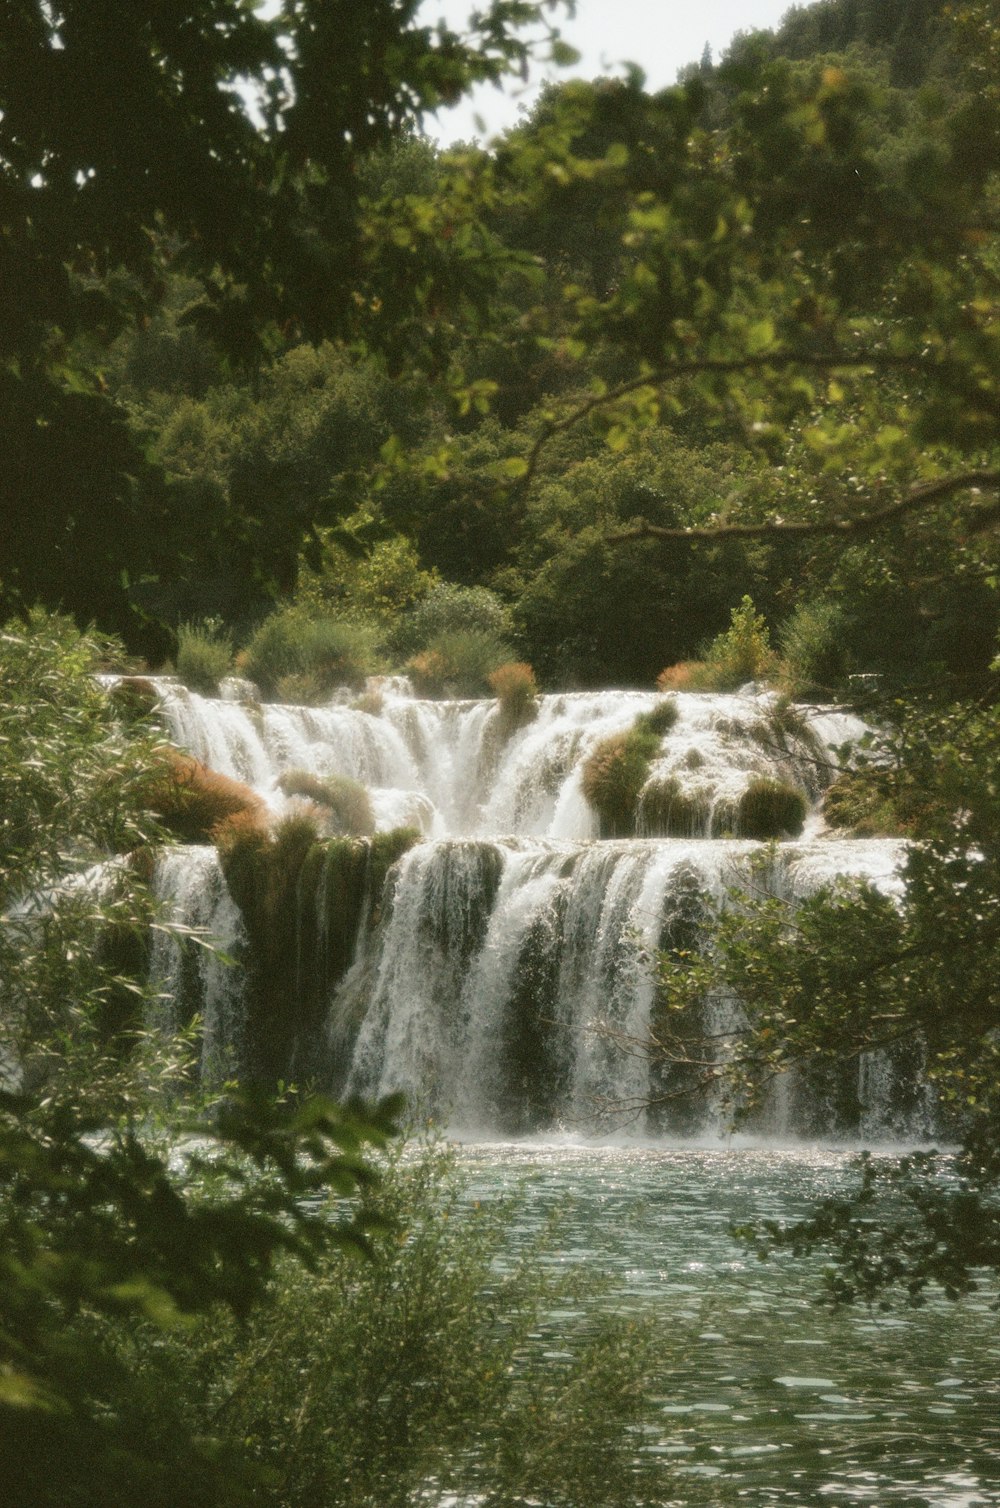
(709, 366)
(861, 523)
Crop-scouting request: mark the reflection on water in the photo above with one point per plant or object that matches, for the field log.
(774, 1398)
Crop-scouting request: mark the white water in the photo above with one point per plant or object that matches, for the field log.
(514, 965)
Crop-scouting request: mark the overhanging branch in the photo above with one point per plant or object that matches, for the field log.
(849, 526)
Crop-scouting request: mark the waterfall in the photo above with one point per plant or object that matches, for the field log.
(505, 980)
(195, 956)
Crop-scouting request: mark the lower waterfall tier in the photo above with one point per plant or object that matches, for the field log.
(504, 985)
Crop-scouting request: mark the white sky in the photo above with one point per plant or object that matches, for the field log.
(660, 35)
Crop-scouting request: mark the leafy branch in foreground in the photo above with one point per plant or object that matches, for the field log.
(98, 1226)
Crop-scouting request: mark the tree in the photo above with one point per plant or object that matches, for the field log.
(210, 139)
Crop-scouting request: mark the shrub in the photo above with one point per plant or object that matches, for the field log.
(679, 677)
(204, 656)
(813, 655)
(458, 662)
(449, 608)
(768, 809)
(615, 772)
(412, 1377)
(743, 653)
(516, 689)
(323, 653)
(346, 800)
(882, 803)
(190, 800)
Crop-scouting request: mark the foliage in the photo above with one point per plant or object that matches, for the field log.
(346, 800)
(382, 583)
(850, 970)
(302, 657)
(615, 772)
(452, 609)
(458, 662)
(813, 659)
(364, 1382)
(245, 175)
(101, 1225)
(743, 653)
(204, 656)
(101, 1228)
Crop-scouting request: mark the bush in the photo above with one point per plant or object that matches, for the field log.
(743, 653)
(767, 809)
(448, 609)
(321, 654)
(813, 655)
(414, 1375)
(346, 800)
(684, 676)
(190, 800)
(204, 656)
(458, 662)
(516, 689)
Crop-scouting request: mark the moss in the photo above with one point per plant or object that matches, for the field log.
(346, 800)
(769, 809)
(659, 720)
(615, 772)
(303, 901)
(385, 850)
(667, 811)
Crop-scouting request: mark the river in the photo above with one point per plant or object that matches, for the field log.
(765, 1395)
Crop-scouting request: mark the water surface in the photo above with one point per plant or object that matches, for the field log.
(770, 1396)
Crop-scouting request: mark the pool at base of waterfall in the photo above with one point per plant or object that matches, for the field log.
(762, 1396)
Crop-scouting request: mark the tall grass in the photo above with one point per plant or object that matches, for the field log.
(204, 656)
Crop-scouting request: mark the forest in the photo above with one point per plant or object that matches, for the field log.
(667, 392)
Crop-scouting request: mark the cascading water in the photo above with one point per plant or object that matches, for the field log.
(513, 955)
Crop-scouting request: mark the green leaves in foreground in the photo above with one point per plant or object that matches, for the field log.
(96, 1226)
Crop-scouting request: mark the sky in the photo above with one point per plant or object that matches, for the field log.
(660, 35)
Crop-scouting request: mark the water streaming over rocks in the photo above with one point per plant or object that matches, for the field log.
(511, 952)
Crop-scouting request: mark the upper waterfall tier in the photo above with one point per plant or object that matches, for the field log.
(455, 769)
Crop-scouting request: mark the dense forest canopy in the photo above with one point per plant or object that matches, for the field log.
(767, 293)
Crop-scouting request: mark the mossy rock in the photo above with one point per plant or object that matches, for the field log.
(666, 810)
(616, 771)
(767, 809)
(346, 800)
